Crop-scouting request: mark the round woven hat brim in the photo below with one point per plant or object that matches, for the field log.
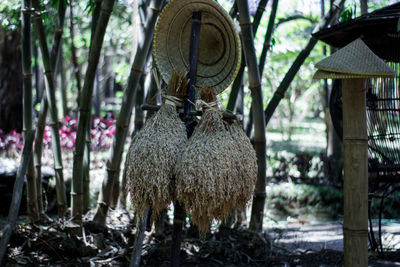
(355, 59)
(219, 45)
(321, 74)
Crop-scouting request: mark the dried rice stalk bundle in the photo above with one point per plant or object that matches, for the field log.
(245, 162)
(207, 171)
(153, 154)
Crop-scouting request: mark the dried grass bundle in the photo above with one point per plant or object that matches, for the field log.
(210, 180)
(246, 163)
(153, 154)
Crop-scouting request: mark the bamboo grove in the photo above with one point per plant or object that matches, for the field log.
(112, 189)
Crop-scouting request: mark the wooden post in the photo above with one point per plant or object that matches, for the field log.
(179, 213)
(355, 219)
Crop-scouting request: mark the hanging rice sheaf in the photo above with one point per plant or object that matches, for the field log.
(212, 176)
(154, 151)
(246, 161)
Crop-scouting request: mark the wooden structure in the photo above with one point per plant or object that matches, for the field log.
(354, 63)
(378, 30)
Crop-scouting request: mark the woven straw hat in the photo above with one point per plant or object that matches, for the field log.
(355, 60)
(219, 45)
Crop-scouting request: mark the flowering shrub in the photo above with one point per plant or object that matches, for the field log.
(101, 133)
(11, 141)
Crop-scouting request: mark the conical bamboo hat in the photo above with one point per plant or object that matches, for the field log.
(219, 45)
(355, 60)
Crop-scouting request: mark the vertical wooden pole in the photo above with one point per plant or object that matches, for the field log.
(355, 220)
(179, 213)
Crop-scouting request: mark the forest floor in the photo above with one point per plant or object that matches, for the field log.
(291, 244)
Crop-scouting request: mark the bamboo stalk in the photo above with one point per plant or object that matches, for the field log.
(50, 95)
(266, 47)
(26, 37)
(268, 36)
(355, 217)
(41, 123)
(63, 86)
(73, 54)
(257, 17)
(291, 73)
(86, 170)
(85, 108)
(137, 247)
(86, 152)
(38, 146)
(122, 124)
(258, 115)
(17, 194)
(57, 39)
(239, 77)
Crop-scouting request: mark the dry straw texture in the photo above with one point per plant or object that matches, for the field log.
(246, 162)
(219, 44)
(355, 60)
(212, 176)
(152, 156)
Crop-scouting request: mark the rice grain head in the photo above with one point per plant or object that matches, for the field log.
(153, 154)
(210, 180)
(246, 162)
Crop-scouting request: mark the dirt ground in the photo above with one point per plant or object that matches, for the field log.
(290, 244)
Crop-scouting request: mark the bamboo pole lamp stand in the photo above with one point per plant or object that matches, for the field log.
(354, 63)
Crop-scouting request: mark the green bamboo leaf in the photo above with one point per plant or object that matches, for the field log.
(89, 7)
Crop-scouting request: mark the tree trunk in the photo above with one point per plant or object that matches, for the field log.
(49, 65)
(284, 85)
(257, 212)
(122, 124)
(85, 108)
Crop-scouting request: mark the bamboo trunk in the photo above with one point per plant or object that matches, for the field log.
(264, 51)
(17, 194)
(257, 212)
(50, 95)
(63, 86)
(85, 108)
(38, 148)
(86, 152)
(355, 219)
(122, 124)
(74, 59)
(26, 37)
(268, 36)
(239, 78)
(291, 73)
(137, 247)
(86, 169)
